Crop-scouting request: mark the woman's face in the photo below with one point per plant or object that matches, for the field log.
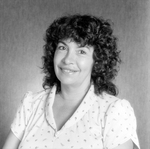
(72, 63)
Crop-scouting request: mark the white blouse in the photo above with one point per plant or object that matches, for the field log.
(101, 122)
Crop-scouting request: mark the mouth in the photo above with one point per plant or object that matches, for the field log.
(68, 71)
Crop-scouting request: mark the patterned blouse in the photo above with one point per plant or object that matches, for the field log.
(100, 122)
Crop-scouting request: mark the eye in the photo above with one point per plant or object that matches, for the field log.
(60, 47)
(82, 52)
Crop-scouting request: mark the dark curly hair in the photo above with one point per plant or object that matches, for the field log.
(85, 30)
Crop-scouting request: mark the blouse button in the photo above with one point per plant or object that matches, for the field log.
(56, 134)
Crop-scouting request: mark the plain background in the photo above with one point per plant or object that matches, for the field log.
(22, 27)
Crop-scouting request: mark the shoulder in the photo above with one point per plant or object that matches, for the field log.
(117, 111)
(112, 105)
(30, 98)
(118, 121)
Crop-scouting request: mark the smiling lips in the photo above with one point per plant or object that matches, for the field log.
(67, 70)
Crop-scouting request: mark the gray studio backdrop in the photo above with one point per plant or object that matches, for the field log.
(22, 27)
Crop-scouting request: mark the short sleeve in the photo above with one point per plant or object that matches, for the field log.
(22, 116)
(120, 125)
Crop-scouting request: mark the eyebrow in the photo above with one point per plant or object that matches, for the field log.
(86, 47)
(79, 45)
(62, 42)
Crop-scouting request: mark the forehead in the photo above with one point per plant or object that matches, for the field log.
(78, 44)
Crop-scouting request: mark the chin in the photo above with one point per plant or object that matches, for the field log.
(68, 83)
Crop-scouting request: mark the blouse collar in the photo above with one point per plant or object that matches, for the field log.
(85, 105)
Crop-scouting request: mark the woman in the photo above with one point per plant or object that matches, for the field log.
(78, 108)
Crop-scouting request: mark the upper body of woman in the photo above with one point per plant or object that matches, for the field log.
(79, 107)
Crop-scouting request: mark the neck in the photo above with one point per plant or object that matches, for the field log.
(73, 93)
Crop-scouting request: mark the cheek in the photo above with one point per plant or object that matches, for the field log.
(56, 58)
(86, 64)
(56, 62)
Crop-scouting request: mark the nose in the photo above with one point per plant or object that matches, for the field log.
(69, 58)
